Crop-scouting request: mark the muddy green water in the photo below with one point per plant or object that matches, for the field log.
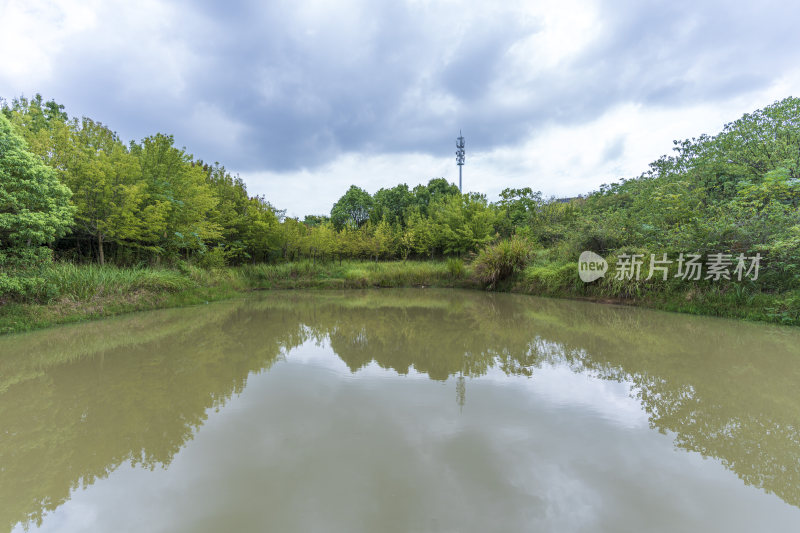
(401, 410)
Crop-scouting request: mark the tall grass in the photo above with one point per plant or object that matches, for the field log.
(84, 282)
(456, 267)
(500, 261)
(265, 275)
(348, 274)
(74, 292)
(550, 279)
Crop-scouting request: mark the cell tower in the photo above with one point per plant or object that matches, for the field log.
(459, 157)
(461, 392)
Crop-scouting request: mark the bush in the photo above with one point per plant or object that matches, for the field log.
(214, 258)
(499, 261)
(24, 288)
(357, 277)
(84, 282)
(552, 278)
(455, 267)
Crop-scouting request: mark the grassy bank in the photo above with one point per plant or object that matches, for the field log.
(744, 300)
(62, 293)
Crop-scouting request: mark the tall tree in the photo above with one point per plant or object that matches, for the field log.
(262, 236)
(233, 212)
(391, 204)
(436, 188)
(352, 209)
(34, 206)
(178, 198)
(106, 181)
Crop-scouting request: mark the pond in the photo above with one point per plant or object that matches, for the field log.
(401, 410)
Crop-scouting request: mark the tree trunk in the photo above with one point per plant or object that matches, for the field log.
(100, 249)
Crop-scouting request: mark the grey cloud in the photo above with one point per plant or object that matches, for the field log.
(614, 149)
(677, 53)
(365, 81)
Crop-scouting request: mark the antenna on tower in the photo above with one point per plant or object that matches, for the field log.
(459, 157)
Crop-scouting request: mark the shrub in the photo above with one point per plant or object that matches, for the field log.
(24, 288)
(551, 278)
(499, 261)
(84, 282)
(357, 277)
(455, 267)
(214, 258)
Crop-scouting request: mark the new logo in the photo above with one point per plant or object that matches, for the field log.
(591, 267)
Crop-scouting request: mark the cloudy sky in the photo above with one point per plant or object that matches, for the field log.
(304, 98)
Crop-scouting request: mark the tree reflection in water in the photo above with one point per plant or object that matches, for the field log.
(76, 402)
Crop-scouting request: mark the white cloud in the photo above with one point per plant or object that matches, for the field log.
(558, 160)
(305, 99)
(308, 191)
(32, 32)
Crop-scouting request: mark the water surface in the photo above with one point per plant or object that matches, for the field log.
(401, 410)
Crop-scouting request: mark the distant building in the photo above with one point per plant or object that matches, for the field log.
(567, 200)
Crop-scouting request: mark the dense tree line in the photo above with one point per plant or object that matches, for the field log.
(736, 192)
(148, 202)
(135, 203)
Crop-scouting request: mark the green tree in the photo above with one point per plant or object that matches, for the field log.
(34, 206)
(263, 234)
(384, 240)
(437, 188)
(391, 204)
(232, 213)
(43, 125)
(106, 181)
(519, 207)
(179, 199)
(321, 240)
(463, 223)
(291, 236)
(419, 236)
(315, 220)
(352, 209)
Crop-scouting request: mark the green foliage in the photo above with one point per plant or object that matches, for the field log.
(261, 233)
(462, 223)
(553, 279)
(108, 191)
(519, 207)
(84, 282)
(34, 206)
(391, 204)
(22, 288)
(151, 202)
(313, 221)
(436, 189)
(499, 261)
(144, 202)
(352, 209)
(213, 258)
(178, 196)
(455, 267)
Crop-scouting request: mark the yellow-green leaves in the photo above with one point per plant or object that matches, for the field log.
(34, 206)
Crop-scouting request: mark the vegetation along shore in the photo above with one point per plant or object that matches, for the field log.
(91, 226)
